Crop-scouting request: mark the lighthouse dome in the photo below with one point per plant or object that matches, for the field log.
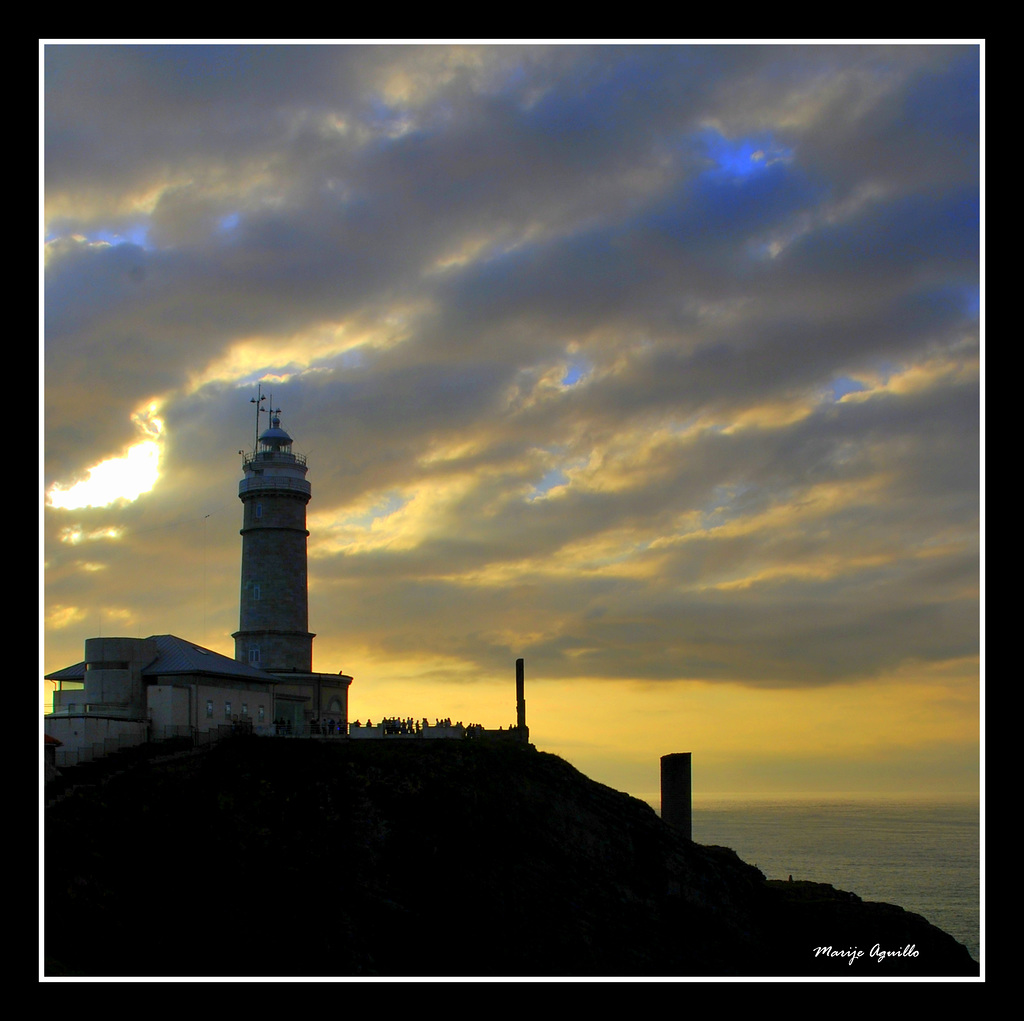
(275, 434)
(275, 438)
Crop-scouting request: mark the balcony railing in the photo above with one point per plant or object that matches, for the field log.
(115, 709)
(265, 457)
(274, 482)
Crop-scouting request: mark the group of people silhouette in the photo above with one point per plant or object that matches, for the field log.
(407, 725)
(326, 728)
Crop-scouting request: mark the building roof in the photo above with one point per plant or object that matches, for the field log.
(69, 673)
(179, 656)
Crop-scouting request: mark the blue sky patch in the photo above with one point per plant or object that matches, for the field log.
(551, 480)
(387, 119)
(741, 157)
(382, 509)
(844, 385)
(229, 222)
(745, 191)
(134, 234)
(974, 302)
(725, 504)
(575, 372)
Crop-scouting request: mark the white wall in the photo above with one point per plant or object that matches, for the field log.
(87, 737)
(168, 705)
(236, 698)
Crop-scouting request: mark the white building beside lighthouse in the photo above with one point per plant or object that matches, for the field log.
(130, 690)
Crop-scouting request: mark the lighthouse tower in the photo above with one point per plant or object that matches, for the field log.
(273, 631)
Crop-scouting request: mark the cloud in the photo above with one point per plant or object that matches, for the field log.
(649, 362)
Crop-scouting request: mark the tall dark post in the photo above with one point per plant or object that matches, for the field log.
(675, 792)
(524, 733)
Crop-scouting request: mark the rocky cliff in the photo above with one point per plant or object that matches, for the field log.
(273, 857)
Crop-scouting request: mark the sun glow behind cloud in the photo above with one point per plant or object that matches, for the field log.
(74, 534)
(118, 478)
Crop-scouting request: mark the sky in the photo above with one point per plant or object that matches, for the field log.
(656, 365)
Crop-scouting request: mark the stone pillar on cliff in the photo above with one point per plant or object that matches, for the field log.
(675, 792)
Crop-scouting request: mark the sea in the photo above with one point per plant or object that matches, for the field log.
(924, 855)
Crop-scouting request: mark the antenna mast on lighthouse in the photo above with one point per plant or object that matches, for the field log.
(257, 400)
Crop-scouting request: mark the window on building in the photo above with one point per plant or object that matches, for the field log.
(245, 708)
(209, 708)
(256, 591)
(227, 710)
(254, 655)
(260, 714)
(259, 511)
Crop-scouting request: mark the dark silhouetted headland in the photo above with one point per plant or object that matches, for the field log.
(285, 857)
